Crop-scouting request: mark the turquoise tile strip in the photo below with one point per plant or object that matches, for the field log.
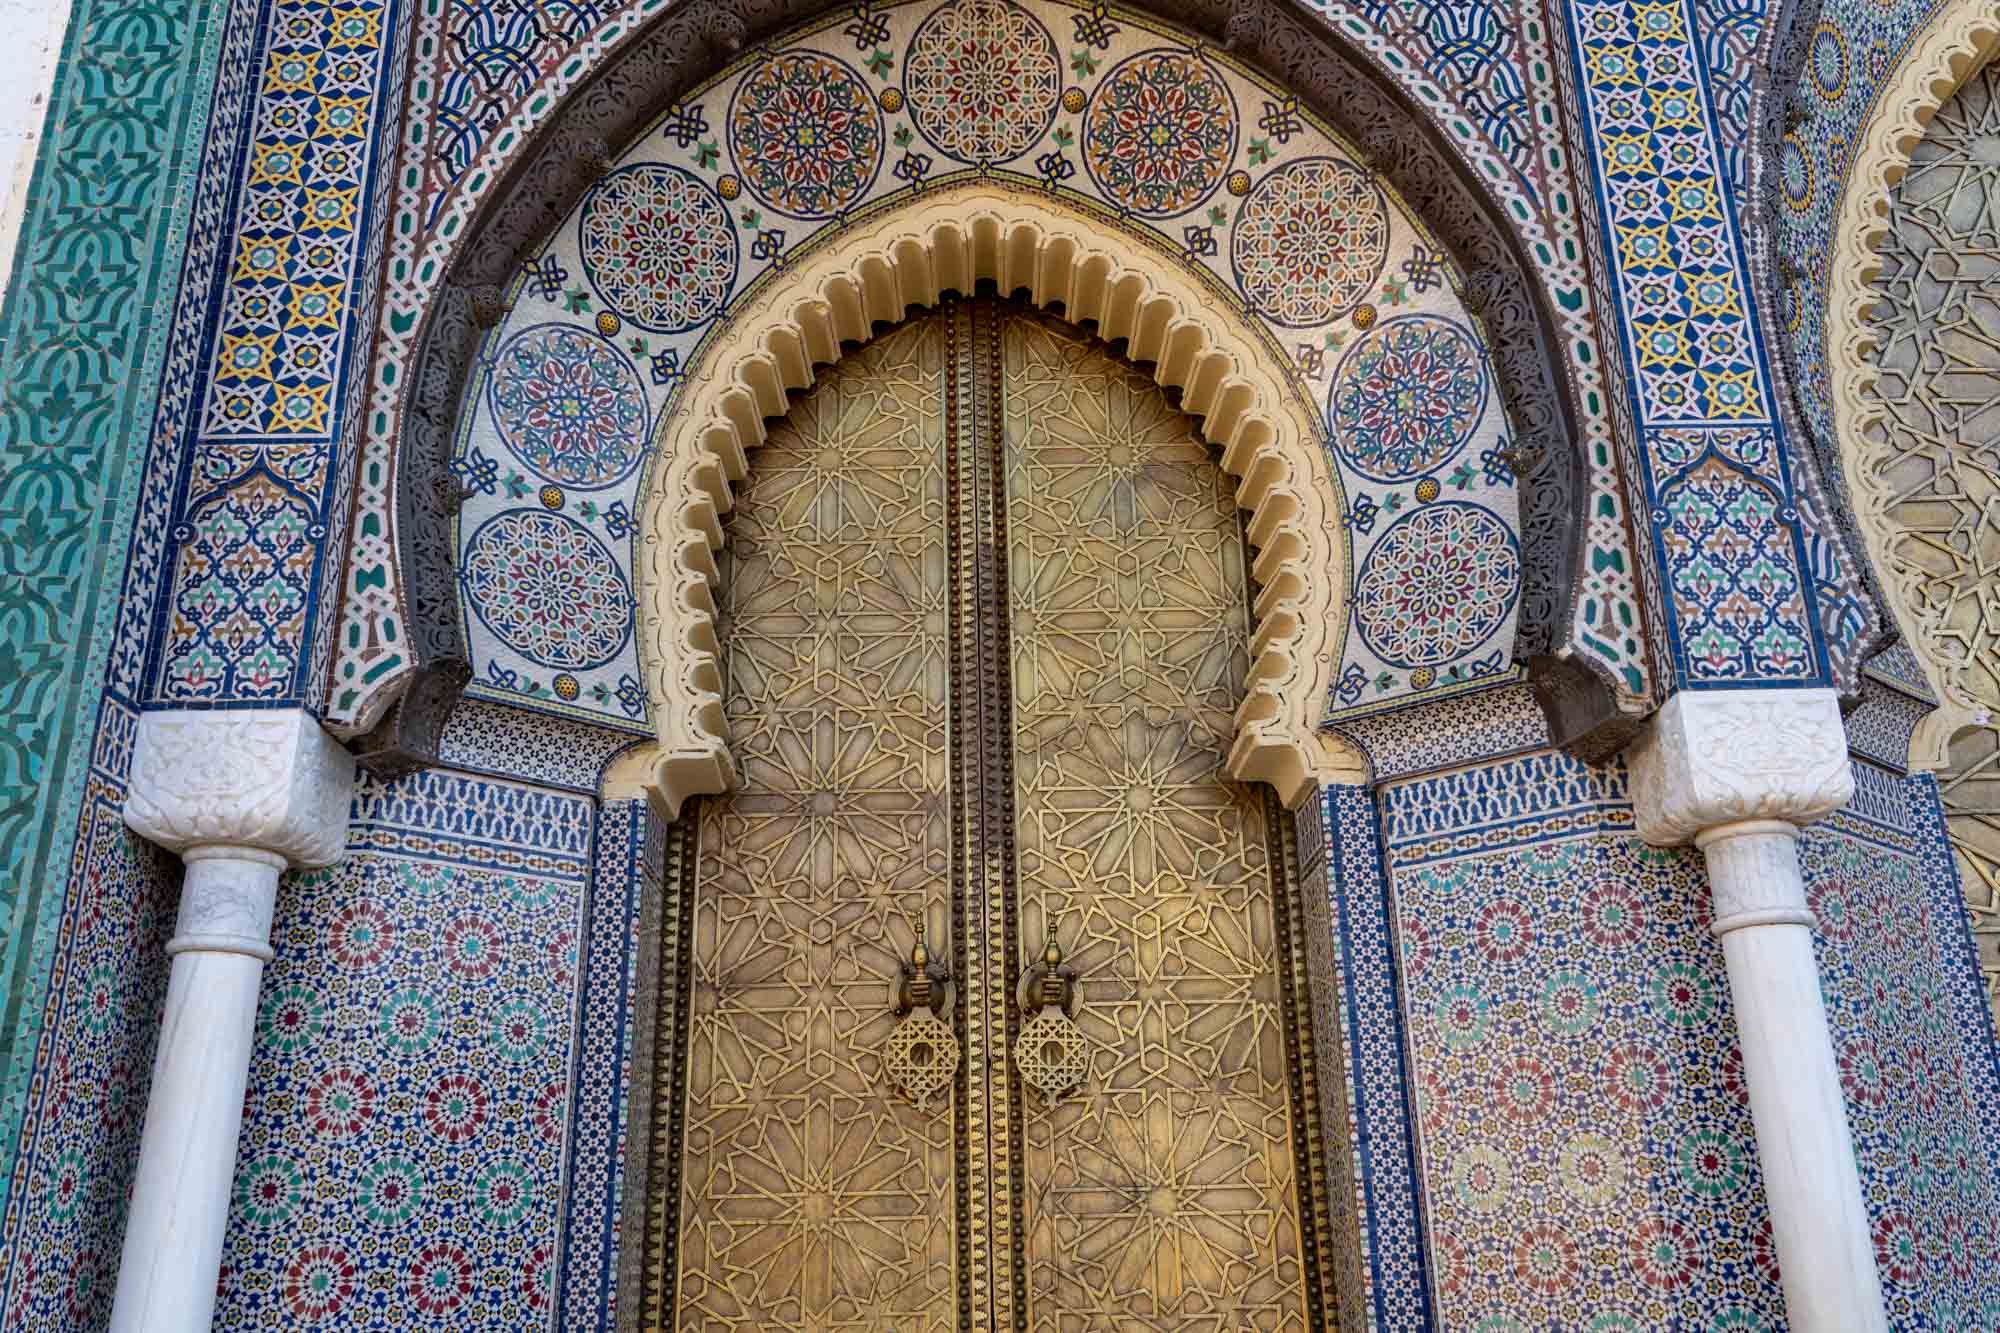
(83, 341)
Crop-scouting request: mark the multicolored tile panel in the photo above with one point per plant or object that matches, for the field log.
(610, 1069)
(1916, 1050)
(68, 1180)
(401, 1162)
(1583, 1130)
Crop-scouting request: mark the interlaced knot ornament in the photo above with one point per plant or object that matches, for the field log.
(922, 1055)
(1052, 1054)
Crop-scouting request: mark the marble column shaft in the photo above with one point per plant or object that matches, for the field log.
(1739, 773)
(241, 796)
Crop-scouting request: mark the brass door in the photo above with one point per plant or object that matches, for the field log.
(984, 620)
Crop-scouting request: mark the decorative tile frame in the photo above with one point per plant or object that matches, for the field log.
(260, 510)
(1756, 54)
(1736, 592)
(1388, 1199)
(1426, 736)
(378, 639)
(604, 1167)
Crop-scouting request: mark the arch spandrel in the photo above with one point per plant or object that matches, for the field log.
(1241, 398)
(401, 603)
(1910, 347)
(1256, 221)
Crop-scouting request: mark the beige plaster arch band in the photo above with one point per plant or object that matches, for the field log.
(1237, 391)
(1959, 39)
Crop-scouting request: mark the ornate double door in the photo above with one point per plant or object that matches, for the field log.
(984, 623)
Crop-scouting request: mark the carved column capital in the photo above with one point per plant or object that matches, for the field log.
(272, 780)
(1717, 757)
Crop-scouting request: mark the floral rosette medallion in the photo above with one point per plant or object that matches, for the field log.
(805, 134)
(983, 79)
(658, 247)
(1310, 241)
(548, 589)
(1440, 583)
(569, 404)
(1408, 398)
(1160, 133)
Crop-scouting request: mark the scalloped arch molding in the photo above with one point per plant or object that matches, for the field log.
(401, 638)
(1960, 38)
(875, 274)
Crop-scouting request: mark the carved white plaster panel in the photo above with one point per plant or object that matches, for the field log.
(1715, 757)
(272, 780)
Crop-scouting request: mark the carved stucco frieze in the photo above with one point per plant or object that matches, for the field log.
(270, 780)
(1716, 757)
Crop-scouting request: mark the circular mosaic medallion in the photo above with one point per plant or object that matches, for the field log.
(658, 247)
(1440, 583)
(1826, 56)
(1310, 241)
(548, 589)
(1408, 397)
(1795, 174)
(1160, 133)
(805, 134)
(570, 405)
(983, 79)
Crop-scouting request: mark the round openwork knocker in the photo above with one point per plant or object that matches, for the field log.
(922, 1055)
(1051, 1053)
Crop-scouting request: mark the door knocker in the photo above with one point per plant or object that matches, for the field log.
(1052, 1053)
(922, 1057)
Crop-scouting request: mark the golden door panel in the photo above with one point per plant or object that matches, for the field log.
(1161, 1194)
(811, 1199)
(984, 621)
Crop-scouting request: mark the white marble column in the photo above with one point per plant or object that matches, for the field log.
(1738, 773)
(241, 796)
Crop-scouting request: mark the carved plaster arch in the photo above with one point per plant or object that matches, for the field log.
(1960, 38)
(875, 274)
(399, 620)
